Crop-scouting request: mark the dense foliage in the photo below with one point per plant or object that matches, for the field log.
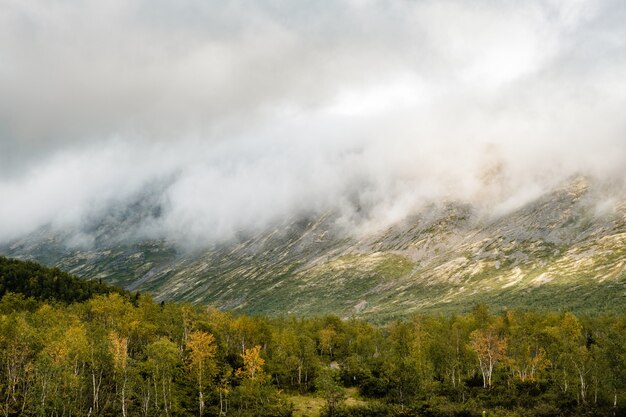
(115, 356)
(41, 283)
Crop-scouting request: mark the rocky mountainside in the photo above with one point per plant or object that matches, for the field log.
(562, 250)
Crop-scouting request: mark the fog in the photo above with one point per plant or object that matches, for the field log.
(232, 116)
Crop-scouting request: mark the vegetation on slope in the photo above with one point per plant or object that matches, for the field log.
(108, 356)
(33, 280)
(556, 252)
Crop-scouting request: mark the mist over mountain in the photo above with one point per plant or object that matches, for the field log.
(562, 250)
(228, 117)
(321, 208)
(357, 158)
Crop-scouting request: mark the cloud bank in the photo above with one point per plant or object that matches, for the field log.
(233, 115)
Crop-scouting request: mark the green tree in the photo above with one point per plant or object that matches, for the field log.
(162, 365)
(327, 384)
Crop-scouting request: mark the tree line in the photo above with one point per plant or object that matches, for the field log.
(120, 355)
(42, 283)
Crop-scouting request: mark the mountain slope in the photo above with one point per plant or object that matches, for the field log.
(46, 284)
(555, 252)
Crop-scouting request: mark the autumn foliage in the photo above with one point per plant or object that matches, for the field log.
(120, 355)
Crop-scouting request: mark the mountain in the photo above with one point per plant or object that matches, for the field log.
(560, 251)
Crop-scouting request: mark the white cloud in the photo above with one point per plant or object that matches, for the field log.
(252, 112)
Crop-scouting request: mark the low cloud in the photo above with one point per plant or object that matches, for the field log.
(229, 116)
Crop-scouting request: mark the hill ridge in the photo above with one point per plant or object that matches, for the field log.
(555, 251)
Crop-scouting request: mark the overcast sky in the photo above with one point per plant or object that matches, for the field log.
(236, 114)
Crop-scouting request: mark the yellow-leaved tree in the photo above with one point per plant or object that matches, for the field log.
(201, 361)
(118, 347)
(490, 349)
(252, 365)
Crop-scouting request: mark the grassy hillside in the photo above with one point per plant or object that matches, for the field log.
(557, 252)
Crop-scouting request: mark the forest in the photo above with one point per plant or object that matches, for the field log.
(73, 348)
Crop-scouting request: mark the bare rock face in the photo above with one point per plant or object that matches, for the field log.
(565, 250)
